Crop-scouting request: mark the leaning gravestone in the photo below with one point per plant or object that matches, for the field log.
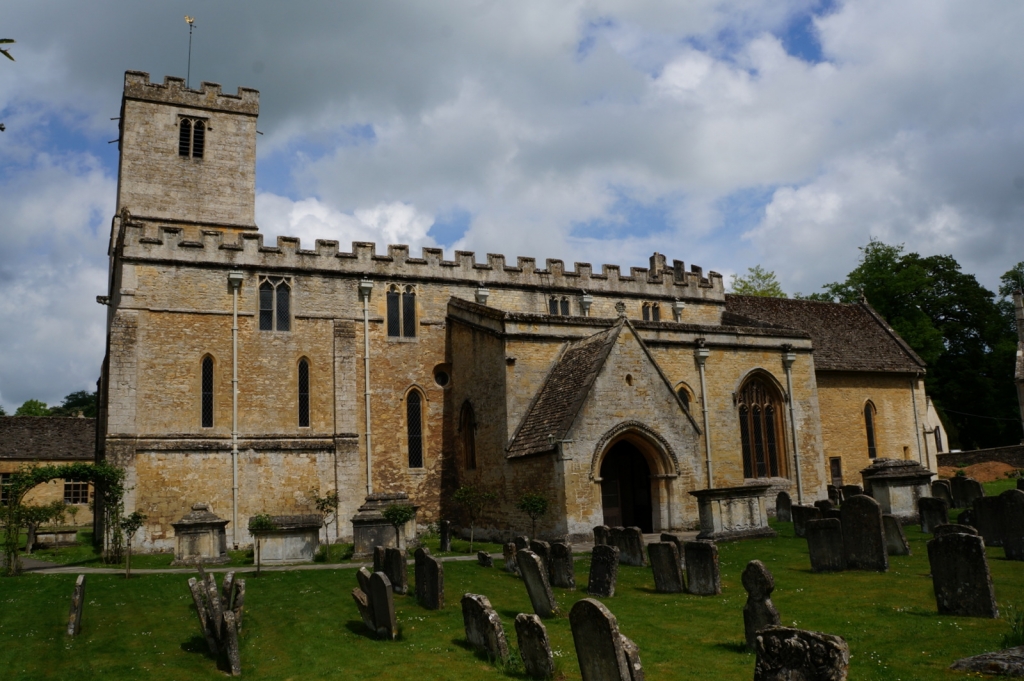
(933, 511)
(77, 603)
(785, 654)
(895, 541)
(382, 604)
(543, 551)
(534, 647)
(429, 580)
(396, 569)
(535, 576)
(1013, 523)
(678, 541)
(560, 569)
(601, 534)
(783, 504)
(484, 559)
(988, 518)
(954, 528)
(824, 505)
(522, 542)
(630, 541)
(825, 545)
(942, 490)
(445, 529)
(864, 534)
(220, 615)
(604, 571)
(509, 553)
(851, 491)
(759, 611)
(960, 576)
(702, 574)
(364, 608)
(483, 627)
(668, 575)
(801, 514)
(604, 654)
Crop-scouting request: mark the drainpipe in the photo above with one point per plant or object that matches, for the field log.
(917, 424)
(235, 281)
(788, 357)
(365, 288)
(701, 355)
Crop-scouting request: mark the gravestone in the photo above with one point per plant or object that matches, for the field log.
(445, 530)
(378, 558)
(965, 490)
(396, 569)
(1007, 662)
(220, 614)
(952, 528)
(759, 611)
(785, 654)
(77, 603)
(534, 647)
(824, 505)
(429, 580)
(702, 575)
(601, 534)
(231, 643)
(987, 518)
(833, 513)
(825, 545)
(522, 542)
(483, 627)
(509, 553)
(537, 586)
(783, 504)
(604, 570)
(600, 648)
(484, 559)
(851, 491)
(960, 576)
(678, 541)
(1013, 523)
(668, 575)
(942, 490)
(363, 606)
(363, 578)
(835, 495)
(864, 534)
(382, 605)
(543, 551)
(933, 511)
(560, 569)
(801, 514)
(895, 541)
(630, 541)
(966, 517)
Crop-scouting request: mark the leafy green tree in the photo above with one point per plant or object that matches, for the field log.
(33, 516)
(130, 524)
(473, 501)
(327, 507)
(534, 505)
(757, 282)
(398, 515)
(1012, 280)
(80, 401)
(2, 412)
(32, 408)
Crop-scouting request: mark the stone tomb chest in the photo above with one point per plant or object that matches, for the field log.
(370, 529)
(896, 485)
(199, 537)
(734, 512)
(294, 539)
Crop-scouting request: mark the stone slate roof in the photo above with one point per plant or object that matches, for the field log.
(560, 398)
(846, 337)
(47, 438)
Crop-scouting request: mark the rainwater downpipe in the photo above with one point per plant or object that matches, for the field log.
(365, 288)
(701, 355)
(235, 281)
(917, 424)
(788, 357)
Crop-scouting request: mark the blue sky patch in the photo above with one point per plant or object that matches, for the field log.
(742, 210)
(628, 217)
(800, 39)
(275, 172)
(59, 134)
(450, 226)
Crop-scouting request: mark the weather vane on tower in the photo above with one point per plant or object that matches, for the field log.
(188, 72)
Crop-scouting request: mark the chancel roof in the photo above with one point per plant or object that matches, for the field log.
(846, 337)
(47, 438)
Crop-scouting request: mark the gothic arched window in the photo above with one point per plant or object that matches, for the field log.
(651, 312)
(275, 304)
(684, 396)
(414, 428)
(191, 137)
(761, 429)
(207, 392)
(401, 311)
(467, 435)
(870, 415)
(303, 393)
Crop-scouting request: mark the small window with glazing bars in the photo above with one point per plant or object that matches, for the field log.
(303, 393)
(401, 311)
(192, 136)
(651, 312)
(275, 304)
(414, 428)
(558, 306)
(207, 392)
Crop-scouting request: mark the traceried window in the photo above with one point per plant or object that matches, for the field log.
(558, 306)
(684, 396)
(652, 312)
(870, 415)
(761, 429)
(414, 428)
(275, 304)
(401, 311)
(191, 137)
(76, 492)
(5, 480)
(303, 393)
(938, 439)
(207, 392)
(467, 435)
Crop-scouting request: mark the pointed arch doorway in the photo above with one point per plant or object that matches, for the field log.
(626, 488)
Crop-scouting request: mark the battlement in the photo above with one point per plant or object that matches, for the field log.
(173, 91)
(203, 247)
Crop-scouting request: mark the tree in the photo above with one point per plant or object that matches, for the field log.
(130, 524)
(534, 505)
(259, 525)
(398, 515)
(2, 411)
(32, 408)
(33, 516)
(327, 507)
(473, 501)
(758, 282)
(1012, 280)
(79, 401)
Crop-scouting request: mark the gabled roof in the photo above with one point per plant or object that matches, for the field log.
(846, 337)
(47, 438)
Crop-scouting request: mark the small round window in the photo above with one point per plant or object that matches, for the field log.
(442, 376)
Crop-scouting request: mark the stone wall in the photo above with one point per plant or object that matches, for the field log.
(1012, 455)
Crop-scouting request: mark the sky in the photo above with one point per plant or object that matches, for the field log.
(723, 133)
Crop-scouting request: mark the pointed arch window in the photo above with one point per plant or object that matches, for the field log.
(401, 311)
(761, 429)
(414, 428)
(870, 416)
(275, 304)
(558, 306)
(191, 137)
(684, 396)
(467, 435)
(303, 393)
(207, 392)
(652, 312)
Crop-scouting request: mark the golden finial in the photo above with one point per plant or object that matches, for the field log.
(189, 20)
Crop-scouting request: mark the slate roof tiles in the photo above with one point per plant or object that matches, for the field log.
(47, 438)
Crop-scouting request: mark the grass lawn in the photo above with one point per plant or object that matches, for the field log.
(304, 624)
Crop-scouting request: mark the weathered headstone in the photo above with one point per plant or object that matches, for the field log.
(942, 490)
(1007, 662)
(429, 580)
(952, 528)
(825, 545)
(678, 541)
(630, 541)
(600, 648)
(864, 534)
(483, 627)
(604, 570)
(987, 517)
(835, 495)
(851, 491)
(801, 514)
(759, 611)
(933, 511)
(824, 505)
(535, 576)
(220, 614)
(833, 513)
(394, 566)
(1013, 523)
(543, 551)
(895, 541)
(509, 553)
(77, 603)
(522, 542)
(668, 575)
(534, 647)
(702, 575)
(965, 490)
(785, 654)
(601, 534)
(363, 606)
(960, 576)
(783, 504)
(484, 559)
(382, 604)
(231, 644)
(378, 558)
(560, 569)
(445, 530)
(363, 578)
(966, 517)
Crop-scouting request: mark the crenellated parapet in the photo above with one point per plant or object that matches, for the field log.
(173, 91)
(246, 250)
